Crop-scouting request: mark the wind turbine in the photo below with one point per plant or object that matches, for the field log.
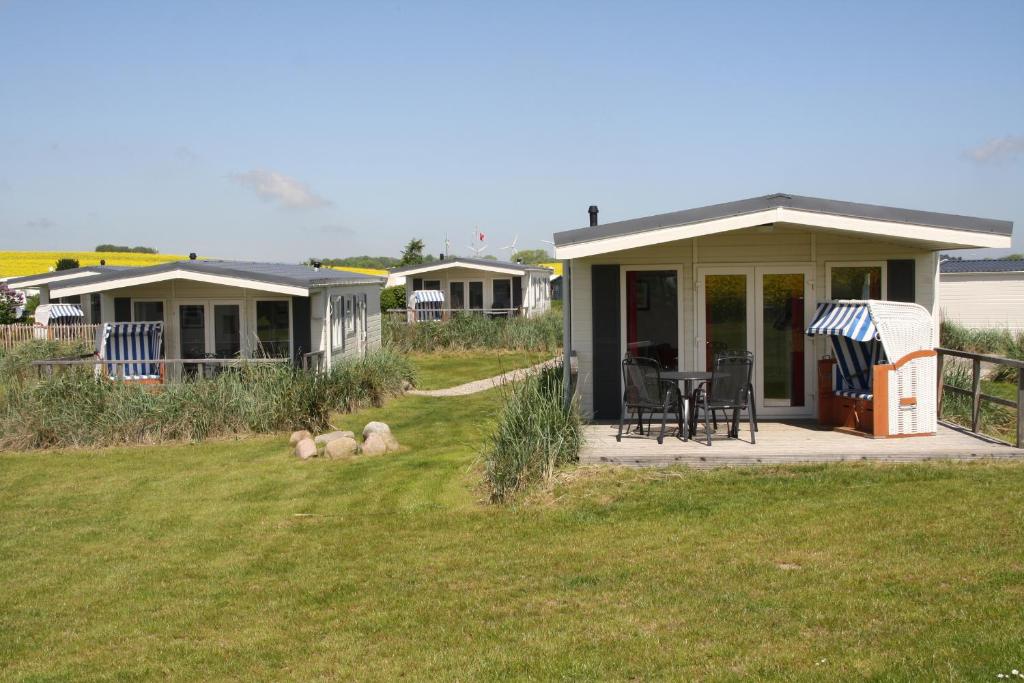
(477, 237)
(511, 248)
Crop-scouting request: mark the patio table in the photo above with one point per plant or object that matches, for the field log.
(687, 377)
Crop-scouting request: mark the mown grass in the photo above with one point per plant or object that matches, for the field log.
(443, 369)
(190, 562)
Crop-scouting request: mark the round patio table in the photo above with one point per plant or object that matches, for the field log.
(687, 377)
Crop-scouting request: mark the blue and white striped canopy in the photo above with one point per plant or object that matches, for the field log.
(66, 311)
(851, 319)
(131, 341)
(424, 295)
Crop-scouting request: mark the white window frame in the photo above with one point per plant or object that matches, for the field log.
(149, 300)
(680, 322)
(829, 265)
(465, 295)
(255, 324)
(483, 295)
(511, 295)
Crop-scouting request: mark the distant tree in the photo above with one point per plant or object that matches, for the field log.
(1014, 257)
(412, 254)
(127, 250)
(380, 262)
(10, 301)
(490, 257)
(66, 264)
(531, 256)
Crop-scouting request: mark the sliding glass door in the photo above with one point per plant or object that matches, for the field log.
(762, 309)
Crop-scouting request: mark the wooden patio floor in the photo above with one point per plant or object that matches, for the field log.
(780, 443)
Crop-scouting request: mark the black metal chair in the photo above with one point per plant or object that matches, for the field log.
(645, 390)
(729, 389)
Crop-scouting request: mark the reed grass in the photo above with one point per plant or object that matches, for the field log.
(465, 332)
(535, 434)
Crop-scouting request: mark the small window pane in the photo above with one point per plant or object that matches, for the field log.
(476, 295)
(272, 328)
(856, 282)
(502, 294)
(458, 297)
(148, 311)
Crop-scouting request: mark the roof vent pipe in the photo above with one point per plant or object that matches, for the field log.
(316, 265)
(441, 255)
(593, 215)
(103, 261)
(192, 256)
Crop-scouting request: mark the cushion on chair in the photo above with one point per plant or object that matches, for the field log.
(855, 394)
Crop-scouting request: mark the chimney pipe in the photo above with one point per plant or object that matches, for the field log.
(316, 265)
(442, 255)
(593, 215)
(192, 256)
(103, 261)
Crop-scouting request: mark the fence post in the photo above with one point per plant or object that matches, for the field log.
(975, 394)
(940, 390)
(1020, 407)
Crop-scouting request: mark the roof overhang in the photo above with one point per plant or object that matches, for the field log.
(446, 265)
(48, 278)
(935, 238)
(128, 280)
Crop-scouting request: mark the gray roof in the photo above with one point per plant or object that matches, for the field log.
(469, 262)
(983, 266)
(289, 274)
(86, 270)
(789, 201)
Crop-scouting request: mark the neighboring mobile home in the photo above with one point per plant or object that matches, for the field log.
(744, 275)
(984, 294)
(472, 284)
(227, 309)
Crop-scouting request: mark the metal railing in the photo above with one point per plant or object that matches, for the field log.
(20, 333)
(975, 393)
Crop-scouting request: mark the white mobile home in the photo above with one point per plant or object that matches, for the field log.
(471, 284)
(744, 276)
(227, 309)
(984, 294)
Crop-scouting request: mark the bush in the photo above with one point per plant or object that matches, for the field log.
(392, 297)
(74, 408)
(991, 342)
(536, 433)
(463, 332)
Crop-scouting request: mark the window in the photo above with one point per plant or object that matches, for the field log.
(94, 308)
(273, 328)
(337, 322)
(350, 317)
(431, 284)
(147, 311)
(502, 294)
(458, 295)
(856, 281)
(476, 295)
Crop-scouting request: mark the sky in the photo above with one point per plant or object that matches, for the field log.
(280, 131)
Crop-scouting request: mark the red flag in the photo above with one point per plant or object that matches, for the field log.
(481, 237)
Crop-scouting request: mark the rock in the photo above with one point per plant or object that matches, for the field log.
(299, 436)
(374, 428)
(375, 444)
(391, 442)
(406, 385)
(341, 447)
(306, 449)
(325, 439)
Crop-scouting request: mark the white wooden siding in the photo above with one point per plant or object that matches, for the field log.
(983, 300)
(532, 305)
(782, 244)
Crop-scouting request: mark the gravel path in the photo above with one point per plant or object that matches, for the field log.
(483, 384)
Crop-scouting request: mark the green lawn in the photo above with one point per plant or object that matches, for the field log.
(442, 369)
(234, 560)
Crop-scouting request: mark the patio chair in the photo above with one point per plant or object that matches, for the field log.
(645, 390)
(729, 389)
(131, 342)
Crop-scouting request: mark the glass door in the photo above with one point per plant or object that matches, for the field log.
(763, 309)
(652, 315)
(227, 330)
(192, 334)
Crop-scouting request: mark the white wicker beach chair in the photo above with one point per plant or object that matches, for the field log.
(881, 378)
(131, 342)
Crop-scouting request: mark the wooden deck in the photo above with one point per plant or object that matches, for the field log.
(782, 443)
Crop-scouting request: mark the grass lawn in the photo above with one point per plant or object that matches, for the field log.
(443, 369)
(233, 559)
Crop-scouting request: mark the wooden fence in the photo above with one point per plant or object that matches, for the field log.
(19, 333)
(975, 393)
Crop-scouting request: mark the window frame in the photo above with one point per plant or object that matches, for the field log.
(256, 324)
(830, 265)
(495, 281)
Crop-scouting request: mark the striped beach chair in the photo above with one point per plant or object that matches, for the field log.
(882, 367)
(138, 342)
(428, 304)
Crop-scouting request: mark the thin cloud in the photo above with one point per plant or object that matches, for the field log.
(997, 150)
(334, 229)
(272, 186)
(40, 224)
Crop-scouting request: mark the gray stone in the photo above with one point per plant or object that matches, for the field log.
(375, 444)
(342, 447)
(374, 428)
(325, 439)
(305, 449)
(391, 442)
(299, 436)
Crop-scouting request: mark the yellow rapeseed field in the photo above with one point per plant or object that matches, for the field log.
(16, 263)
(363, 271)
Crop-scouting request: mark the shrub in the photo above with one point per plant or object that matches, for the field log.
(542, 333)
(74, 408)
(536, 433)
(392, 297)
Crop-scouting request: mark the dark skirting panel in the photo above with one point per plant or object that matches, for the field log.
(606, 335)
(301, 323)
(900, 280)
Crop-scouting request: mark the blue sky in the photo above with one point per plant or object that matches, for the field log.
(284, 130)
